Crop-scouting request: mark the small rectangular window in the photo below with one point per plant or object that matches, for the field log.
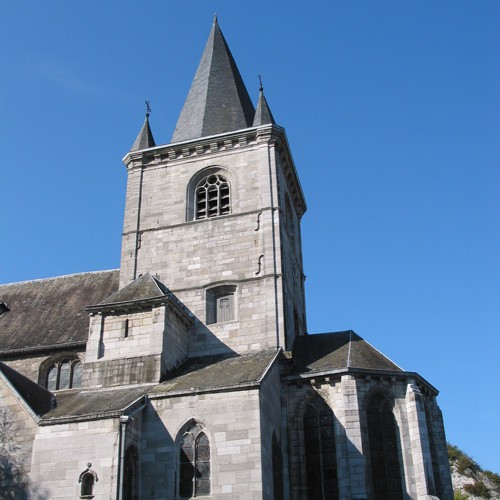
(220, 304)
(225, 308)
(126, 328)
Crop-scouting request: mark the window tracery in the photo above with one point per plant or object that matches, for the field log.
(384, 454)
(320, 452)
(212, 197)
(194, 463)
(64, 374)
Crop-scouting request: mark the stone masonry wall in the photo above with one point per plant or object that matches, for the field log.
(17, 431)
(189, 256)
(232, 423)
(61, 453)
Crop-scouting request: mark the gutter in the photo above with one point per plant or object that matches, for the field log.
(25, 350)
(360, 371)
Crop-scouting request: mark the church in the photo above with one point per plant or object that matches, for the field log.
(189, 371)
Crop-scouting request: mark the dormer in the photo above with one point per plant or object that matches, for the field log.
(136, 335)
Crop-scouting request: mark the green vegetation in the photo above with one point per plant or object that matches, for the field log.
(494, 478)
(465, 465)
(478, 489)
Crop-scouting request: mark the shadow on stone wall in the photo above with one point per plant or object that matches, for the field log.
(158, 470)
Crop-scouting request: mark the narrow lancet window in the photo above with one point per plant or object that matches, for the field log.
(384, 455)
(194, 463)
(321, 460)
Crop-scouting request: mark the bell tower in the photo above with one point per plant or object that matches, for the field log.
(215, 215)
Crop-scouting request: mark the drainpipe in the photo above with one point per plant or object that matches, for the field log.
(124, 421)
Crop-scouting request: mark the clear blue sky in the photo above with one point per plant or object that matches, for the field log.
(392, 110)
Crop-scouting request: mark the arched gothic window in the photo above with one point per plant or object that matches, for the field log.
(321, 460)
(87, 480)
(212, 197)
(130, 477)
(277, 469)
(194, 463)
(384, 455)
(64, 374)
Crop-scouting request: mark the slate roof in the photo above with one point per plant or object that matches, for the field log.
(337, 351)
(143, 288)
(82, 403)
(40, 400)
(263, 115)
(49, 313)
(218, 100)
(145, 138)
(218, 372)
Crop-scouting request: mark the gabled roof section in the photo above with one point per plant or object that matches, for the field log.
(36, 397)
(263, 115)
(145, 287)
(218, 100)
(212, 373)
(338, 351)
(49, 313)
(83, 404)
(145, 138)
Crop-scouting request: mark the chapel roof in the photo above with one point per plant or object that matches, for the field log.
(338, 351)
(81, 403)
(218, 100)
(218, 372)
(210, 373)
(49, 313)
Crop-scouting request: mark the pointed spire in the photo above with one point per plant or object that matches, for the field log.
(217, 101)
(145, 138)
(263, 115)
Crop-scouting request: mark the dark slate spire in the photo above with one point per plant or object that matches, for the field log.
(263, 115)
(218, 100)
(145, 138)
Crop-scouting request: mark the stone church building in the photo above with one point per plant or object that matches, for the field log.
(189, 372)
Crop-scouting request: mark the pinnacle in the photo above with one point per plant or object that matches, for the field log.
(145, 138)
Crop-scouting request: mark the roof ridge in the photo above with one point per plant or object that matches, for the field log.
(381, 353)
(36, 280)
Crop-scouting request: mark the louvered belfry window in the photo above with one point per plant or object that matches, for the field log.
(212, 197)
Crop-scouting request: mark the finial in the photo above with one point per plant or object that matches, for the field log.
(148, 109)
(215, 17)
(89, 465)
(261, 88)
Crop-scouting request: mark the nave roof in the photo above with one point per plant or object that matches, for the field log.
(49, 313)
